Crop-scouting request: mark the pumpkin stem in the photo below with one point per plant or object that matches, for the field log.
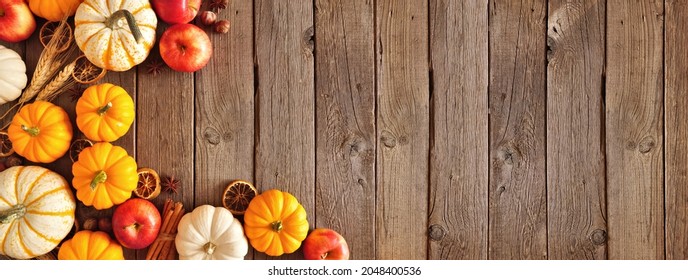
(276, 226)
(9, 215)
(131, 21)
(104, 109)
(101, 176)
(209, 248)
(33, 131)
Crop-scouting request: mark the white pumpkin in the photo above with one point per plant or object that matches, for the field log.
(12, 75)
(115, 34)
(210, 233)
(36, 211)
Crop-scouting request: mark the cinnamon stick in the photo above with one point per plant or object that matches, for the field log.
(163, 247)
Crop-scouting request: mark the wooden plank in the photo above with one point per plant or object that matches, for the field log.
(285, 148)
(459, 149)
(517, 199)
(576, 211)
(225, 109)
(634, 123)
(403, 129)
(165, 127)
(345, 130)
(676, 129)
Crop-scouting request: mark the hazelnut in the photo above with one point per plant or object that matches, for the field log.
(221, 26)
(13, 161)
(208, 17)
(104, 224)
(90, 224)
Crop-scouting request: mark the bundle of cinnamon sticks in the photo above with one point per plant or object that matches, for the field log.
(163, 247)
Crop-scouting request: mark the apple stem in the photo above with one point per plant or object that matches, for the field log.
(104, 109)
(9, 215)
(33, 131)
(209, 248)
(131, 21)
(101, 177)
(276, 226)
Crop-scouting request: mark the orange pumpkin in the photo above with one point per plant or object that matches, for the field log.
(40, 132)
(275, 223)
(54, 10)
(90, 245)
(104, 176)
(104, 112)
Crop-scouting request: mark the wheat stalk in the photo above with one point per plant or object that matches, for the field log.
(61, 81)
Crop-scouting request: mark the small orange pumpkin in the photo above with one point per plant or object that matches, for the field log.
(104, 176)
(40, 132)
(54, 10)
(275, 223)
(90, 245)
(104, 112)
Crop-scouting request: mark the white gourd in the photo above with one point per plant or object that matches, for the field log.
(13, 77)
(36, 211)
(210, 233)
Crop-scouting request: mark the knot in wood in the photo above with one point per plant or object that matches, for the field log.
(436, 232)
(646, 144)
(598, 237)
(212, 136)
(308, 38)
(508, 155)
(388, 139)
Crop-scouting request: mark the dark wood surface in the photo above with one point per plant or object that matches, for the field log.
(487, 129)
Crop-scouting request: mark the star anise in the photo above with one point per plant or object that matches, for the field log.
(155, 67)
(76, 92)
(171, 184)
(218, 4)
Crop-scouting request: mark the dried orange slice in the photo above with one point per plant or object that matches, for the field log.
(237, 195)
(65, 35)
(85, 72)
(5, 145)
(149, 184)
(77, 146)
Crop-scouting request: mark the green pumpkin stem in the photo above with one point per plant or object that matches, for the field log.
(101, 177)
(276, 226)
(9, 215)
(104, 109)
(131, 21)
(33, 131)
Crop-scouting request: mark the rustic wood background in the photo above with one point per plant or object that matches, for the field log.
(437, 129)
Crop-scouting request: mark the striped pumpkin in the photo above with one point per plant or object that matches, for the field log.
(36, 211)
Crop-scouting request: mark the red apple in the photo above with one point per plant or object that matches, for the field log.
(325, 244)
(136, 223)
(176, 11)
(185, 47)
(16, 20)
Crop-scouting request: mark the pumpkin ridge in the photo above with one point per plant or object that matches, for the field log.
(33, 184)
(139, 9)
(16, 183)
(5, 201)
(50, 192)
(43, 213)
(4, 239)
(41, 235)
(21, 241)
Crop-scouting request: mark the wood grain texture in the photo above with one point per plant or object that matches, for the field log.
(285, 148)
(345, 126)
(459, 139)
(575, 130)
(402, 129)
(676, 129)
(517, 195)
(225, 109)
(165, 128)
(634, 122)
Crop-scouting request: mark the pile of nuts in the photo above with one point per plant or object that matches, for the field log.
(209, 18)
